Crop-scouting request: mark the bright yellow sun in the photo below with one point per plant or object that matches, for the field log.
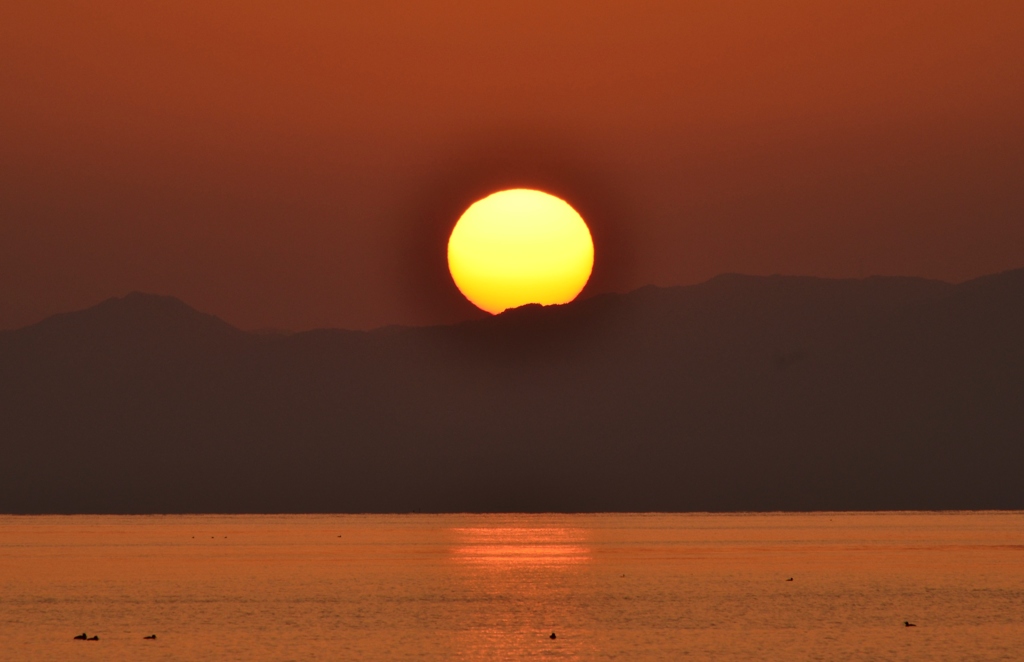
(517, 247)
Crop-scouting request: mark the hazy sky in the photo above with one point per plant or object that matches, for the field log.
(297, 164)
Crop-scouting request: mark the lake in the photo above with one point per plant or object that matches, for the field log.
(495, 587)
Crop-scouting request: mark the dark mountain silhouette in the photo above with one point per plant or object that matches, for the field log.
(742, 393)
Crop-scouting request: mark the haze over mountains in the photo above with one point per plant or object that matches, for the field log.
(741, 393)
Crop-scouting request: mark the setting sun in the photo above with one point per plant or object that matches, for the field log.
(517, 247)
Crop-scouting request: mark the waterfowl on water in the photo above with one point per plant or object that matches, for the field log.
(94, 637)
(553, 636)
(152, 636)
(909, 624)
(790, 579)
(82, 636)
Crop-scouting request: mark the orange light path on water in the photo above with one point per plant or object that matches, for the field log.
(520, 546)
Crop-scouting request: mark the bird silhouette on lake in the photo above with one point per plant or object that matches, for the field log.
(94, 637)
(909, 624)
(790, 579)
(552, 636)
(152, 636)
(82, 636)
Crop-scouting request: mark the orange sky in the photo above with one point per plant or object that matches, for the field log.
(298, 164)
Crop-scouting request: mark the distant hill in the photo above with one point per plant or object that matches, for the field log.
(741, 393)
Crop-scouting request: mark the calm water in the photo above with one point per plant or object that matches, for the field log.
(494, 587)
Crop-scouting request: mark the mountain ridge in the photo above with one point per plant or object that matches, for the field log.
(139, 301)
(740, 393)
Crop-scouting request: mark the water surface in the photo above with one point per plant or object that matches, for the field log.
(494, 587)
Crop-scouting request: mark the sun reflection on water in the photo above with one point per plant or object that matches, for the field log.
(510, 547)
(522, 579)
